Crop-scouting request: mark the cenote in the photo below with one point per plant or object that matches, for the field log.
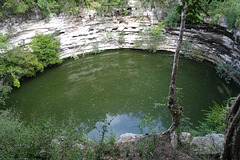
(119, 85)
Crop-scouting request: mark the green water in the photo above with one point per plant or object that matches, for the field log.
(121, 86)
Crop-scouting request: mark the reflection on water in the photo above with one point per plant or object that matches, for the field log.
(124, 123)
(122, 85)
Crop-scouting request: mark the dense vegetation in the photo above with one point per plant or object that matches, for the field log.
(14, 7)
(22, 61)
(216, 10)
(45, 139)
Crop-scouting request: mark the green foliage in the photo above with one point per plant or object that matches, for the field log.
(151, 37)
(106, 147)
(193, 10)
(109, 35)
(95, 49)
(228, 70)
(185, 46)
(173, 16)
(18, 62)
(41, 140)
(229, 8)
(46, 49)
(186, 124)
(16, 7)
(121, 38)
(15, 80)
(146, 123)
(214, 121)
(3, 41)
(48, 6)
(69, 7)
(4, 91)
(111, 7)
(146, 147)
(189, 52)
(103, 131)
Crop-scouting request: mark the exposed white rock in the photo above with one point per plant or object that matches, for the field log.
(129, 137)
(210, 144)
(185, 137)
(80, 146)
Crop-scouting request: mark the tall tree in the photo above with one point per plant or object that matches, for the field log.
(176, 110)
(189, 9)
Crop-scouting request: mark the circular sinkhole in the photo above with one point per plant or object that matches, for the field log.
(122, 87)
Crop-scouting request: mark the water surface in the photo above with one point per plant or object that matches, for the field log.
(120, 86)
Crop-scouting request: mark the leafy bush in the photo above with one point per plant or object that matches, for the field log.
(121, 38)
(46, 49)
(40, 140)
(229, 8)
(111, 7)
(95, 49)
(4, 91)
(69, 7)
(44, 139)
(172, 17)
(146, 124)
(228, 70)
(3, 41)
(214, 121)
(16, 7)
(48, 6)
(17, 63)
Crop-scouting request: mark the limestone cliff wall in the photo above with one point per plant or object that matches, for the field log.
(88, 31)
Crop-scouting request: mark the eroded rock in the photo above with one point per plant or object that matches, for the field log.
(129, 137)
(210, 144)
(185, 137)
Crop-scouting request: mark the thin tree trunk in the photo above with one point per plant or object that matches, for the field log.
(172, 105)
(231, 148)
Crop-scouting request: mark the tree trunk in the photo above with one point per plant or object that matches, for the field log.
(231, 150)
(172, 105)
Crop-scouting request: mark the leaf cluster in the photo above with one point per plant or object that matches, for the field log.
(112, 7)
(46, 49)
(3, 41)
(4, 91)
(17, 63)
(14, 7)
(214, 121)
(229, 9)
(22, 61)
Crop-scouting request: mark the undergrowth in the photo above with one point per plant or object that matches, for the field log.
(44, 139)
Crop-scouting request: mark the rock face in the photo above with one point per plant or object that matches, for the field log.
(88, 32)
(210, 144)
(185, 137)
(129, 137)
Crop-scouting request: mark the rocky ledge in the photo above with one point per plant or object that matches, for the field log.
(88, 32)
(210, 144)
